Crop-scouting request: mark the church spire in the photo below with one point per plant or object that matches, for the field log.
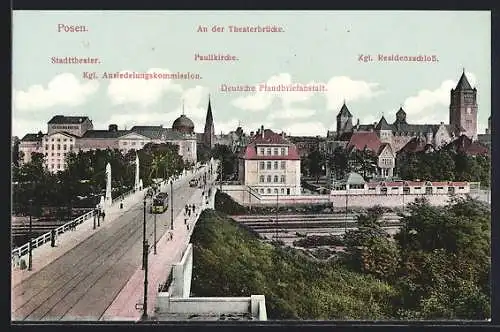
(209, 132)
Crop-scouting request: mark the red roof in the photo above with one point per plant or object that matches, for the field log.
(394, 184)
(270, 138)
(439, 184)
(463, 144)
(364, 139)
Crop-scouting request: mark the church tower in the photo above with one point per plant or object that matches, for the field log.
(463, 109)
(344, 121)
(209, 132)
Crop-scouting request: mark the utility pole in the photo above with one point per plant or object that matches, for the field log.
(171, 205)
(144, 248)
(95, 217)
(30, 258)
(154, 231)
(145, 305)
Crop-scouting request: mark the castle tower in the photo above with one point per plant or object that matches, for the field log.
(384, 131)
(209, 132)
(463, 108)
(344, 120)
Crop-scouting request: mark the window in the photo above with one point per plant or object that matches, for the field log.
(268, 165)
(268, 151)
(283, 151)
(133, 143)
(282, 179)
(52, 140)
(46, 154)
(46, 147)
(52, 154)
(406, 190)
(124, 143)
(58, 166)
(58, 146)
(275, 165)
(269, 178)
(262, 151)
(428, 190)
(262, 165)
(461, 188)
(52, 166)
(58, 154)
(275, 178)
(283, 164)
(65, 139)
(282, 190)
(275, 151)
(468, 124)
(64, 147)
(275, 190)
(262, 178)
(46, 139)
(52, 147)
(261, 191)
(440, 187)
(268, 190)
(58, 139)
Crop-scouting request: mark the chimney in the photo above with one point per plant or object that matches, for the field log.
(262, 130)
(112, 127)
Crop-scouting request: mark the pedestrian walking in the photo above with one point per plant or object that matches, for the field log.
(187, 227)
(171, 235)
(185, 221)
(103, 215)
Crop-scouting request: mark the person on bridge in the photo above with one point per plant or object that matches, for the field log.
(53, 238)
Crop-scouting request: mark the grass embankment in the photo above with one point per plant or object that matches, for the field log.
(231, 261)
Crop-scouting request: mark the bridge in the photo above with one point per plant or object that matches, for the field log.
(95, 273)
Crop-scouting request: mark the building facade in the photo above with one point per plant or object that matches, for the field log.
(67, 134)
(270, 164)
(403, 136)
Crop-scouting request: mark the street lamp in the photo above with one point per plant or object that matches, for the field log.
(144, 248)
(145, 305)
(30, 257)
(154, 232)
(95, 216)
(171, 205)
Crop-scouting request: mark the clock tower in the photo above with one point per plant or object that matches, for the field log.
(463, 109)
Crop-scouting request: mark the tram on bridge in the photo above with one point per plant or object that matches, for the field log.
(160, 203)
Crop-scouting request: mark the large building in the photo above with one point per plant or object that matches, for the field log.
(270, 164)
(75, 133)
(403, 136)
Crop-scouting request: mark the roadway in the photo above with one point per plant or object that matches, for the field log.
(82, 283)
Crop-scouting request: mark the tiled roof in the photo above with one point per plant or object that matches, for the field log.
(62, 119)
(463, 83)
(416, 144)
(361, 140)
(105, 133)
(270, 138)
(383, 125)
(31, 138)
(382, 147)
(344, 111)
(362, 127)
(463, 144)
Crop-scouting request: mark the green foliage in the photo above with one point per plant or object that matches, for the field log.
(229, 261)
(437, 267)
(317, 240)
(444, 165)
(228, 160)
(360, 161)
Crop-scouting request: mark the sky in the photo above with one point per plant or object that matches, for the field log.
(321, 51)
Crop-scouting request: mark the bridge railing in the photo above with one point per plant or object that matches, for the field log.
(44, 238)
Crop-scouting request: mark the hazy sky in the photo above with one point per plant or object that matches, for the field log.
(315, 47)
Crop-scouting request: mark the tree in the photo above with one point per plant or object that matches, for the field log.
(316, 164)
(339, 162)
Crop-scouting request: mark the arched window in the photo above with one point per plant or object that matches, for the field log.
(269, 178)
(275, 178)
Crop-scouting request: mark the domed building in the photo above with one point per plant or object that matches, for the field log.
(183, 124)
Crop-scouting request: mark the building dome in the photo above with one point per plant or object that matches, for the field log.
(183, 124)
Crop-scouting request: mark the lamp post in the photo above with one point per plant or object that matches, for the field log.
(154, 232)
(145, 305)
(171, 205)
(30, 257)
(95, 217)
(144, 248)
